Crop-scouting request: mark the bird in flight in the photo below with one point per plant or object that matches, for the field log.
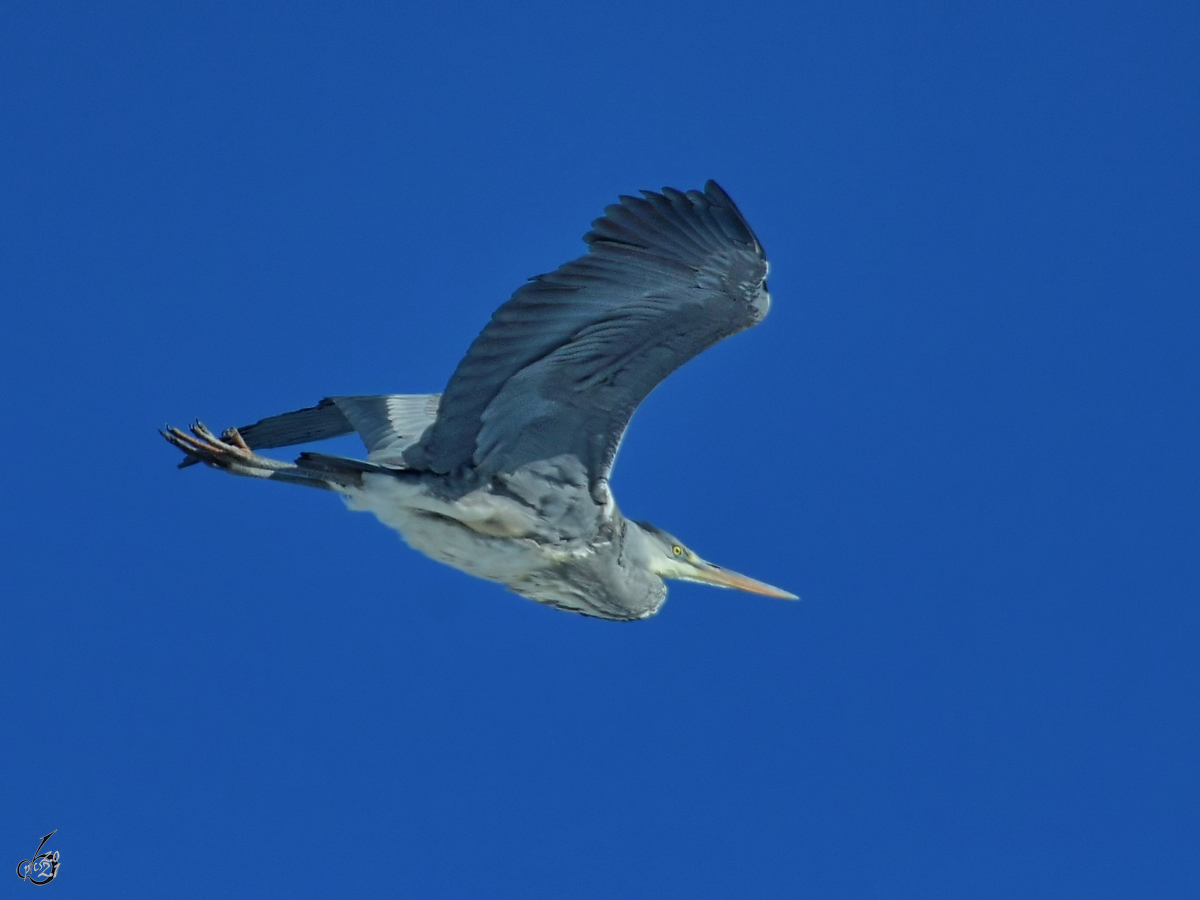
(505, 474)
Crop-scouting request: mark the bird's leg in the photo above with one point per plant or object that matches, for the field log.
(231, 453)
(228, 452)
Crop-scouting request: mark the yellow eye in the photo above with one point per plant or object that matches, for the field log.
(677, 550)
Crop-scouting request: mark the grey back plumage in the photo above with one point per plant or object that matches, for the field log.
(564, 363)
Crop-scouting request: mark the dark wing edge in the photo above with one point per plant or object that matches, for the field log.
(387, 423)
(315, 423)
(564, 363)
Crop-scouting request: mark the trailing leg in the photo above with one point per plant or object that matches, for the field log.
(232, 454)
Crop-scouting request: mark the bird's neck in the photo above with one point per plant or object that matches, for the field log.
(639, 550)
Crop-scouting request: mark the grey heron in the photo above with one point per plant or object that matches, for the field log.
(505, 475)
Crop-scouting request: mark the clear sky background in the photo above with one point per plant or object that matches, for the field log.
(966, 435)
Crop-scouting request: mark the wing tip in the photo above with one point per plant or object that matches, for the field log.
(716, 218)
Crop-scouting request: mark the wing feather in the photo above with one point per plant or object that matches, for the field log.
(564, 363)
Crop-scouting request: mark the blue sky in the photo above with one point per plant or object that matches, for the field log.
(966, 435)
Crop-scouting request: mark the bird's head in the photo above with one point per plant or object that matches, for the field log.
(668, 557)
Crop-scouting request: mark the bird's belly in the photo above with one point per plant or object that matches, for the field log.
(495, 537)
(490, 540)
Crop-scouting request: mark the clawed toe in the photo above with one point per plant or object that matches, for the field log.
(204, 446)
(234, 437)
(229, 451)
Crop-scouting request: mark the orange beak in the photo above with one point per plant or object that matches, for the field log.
(710, 574)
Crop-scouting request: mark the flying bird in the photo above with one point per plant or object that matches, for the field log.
(505, 474)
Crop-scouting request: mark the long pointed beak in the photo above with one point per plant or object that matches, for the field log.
(709, 574)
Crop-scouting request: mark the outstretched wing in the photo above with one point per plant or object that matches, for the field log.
(563, 364)
(387, 424)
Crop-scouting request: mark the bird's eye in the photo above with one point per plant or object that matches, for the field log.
(677, 550)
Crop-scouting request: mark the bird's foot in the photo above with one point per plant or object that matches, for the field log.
(229, 452)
